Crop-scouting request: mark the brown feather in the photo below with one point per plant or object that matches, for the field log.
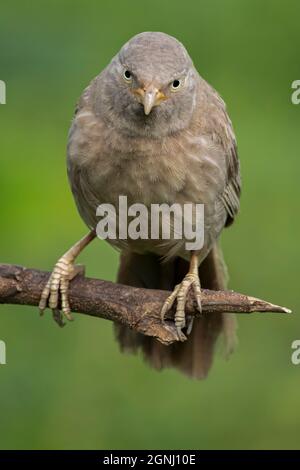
(194, 357)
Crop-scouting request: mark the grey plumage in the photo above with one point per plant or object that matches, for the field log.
(183, 151)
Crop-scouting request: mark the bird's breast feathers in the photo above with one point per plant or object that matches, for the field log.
(186, 169)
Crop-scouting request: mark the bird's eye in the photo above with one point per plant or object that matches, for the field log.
(127, 75)
(175, 85)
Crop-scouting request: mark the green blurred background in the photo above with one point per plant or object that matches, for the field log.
(71, 388)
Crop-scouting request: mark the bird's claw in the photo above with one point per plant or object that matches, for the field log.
(180, 292)
(57, 288)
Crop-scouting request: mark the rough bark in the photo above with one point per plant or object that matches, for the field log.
(137, 308)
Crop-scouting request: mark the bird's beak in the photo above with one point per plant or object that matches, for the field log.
(149, 96)
(149, 100)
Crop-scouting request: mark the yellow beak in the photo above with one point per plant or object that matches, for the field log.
(149, 96)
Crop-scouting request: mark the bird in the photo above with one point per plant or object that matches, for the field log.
(151, 128)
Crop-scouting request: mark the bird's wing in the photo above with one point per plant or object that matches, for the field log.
(78, 148)
(232, 192)
(221, 132)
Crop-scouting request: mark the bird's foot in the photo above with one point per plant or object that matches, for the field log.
(57, 289)
(180, 292)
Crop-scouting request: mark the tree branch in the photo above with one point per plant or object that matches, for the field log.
(134, 307)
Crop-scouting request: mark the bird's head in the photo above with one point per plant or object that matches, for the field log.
(150, 85)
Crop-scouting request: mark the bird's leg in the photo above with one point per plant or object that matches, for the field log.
(58, 283)
(191, 280)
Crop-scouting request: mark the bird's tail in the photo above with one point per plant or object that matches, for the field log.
(194, 356)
